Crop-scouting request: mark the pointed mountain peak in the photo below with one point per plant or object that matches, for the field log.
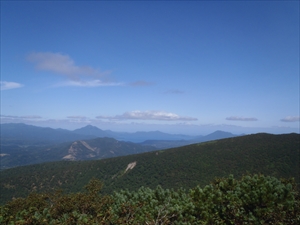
(88, 127)
(92, 127)
(220, 132)
(92, 130)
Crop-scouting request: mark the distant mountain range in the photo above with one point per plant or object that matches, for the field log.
(139, 136)
(22, 133)
(163, 144)
(23, 144)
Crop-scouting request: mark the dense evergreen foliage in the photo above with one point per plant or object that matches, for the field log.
(186, 167)
(255, 199)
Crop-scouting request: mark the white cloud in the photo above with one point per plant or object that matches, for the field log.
(174, 91)
(77, 117)
(141, 83)
(148, 115)
(88, 83)
(291, 119)
(33, 117)
(10, 118)
(59, 63)
(80, 76)
(237, 118)
(4, 85)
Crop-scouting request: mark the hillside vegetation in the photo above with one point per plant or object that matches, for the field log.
(253, 200)
(182, 167)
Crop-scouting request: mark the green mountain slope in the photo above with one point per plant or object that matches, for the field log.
(188, 166)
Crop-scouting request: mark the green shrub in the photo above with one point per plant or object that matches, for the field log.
(256, 199)
(253, 199)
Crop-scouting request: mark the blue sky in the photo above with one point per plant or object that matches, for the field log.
(178, 67)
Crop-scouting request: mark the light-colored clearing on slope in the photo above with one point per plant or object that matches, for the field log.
(130, 166)
(87, 145)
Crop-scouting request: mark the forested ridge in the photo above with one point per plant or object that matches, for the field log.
(251, 179)
(182, 167)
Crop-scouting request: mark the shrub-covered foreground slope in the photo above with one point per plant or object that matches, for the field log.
(188, 166)
(253, 200)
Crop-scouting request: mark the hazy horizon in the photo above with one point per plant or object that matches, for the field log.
(192, 131)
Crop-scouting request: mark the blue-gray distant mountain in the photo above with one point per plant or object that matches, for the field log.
(14, 133)
(19, 133)
(93, 131)
(23, 134)
(163, 144)
(215, 136)
(139, 136)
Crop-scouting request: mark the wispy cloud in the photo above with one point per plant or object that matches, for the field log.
(77, 117)
(148, 115)
(291, 119)
(78, 76)
(59, 63)
(62, 64)
(174, 91)
(20, 118)
(89, 83)
(141, 83)
(237, 118)
(5, 85)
